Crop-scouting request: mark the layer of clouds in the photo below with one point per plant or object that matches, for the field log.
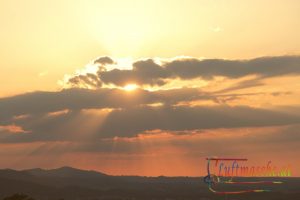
(130, 122)
(81, 114)
(148, 72)
(203, 141)
(63, 116)
(76, 99)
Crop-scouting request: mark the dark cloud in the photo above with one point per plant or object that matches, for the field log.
(264, 67)
(90, 80)
(87, 80)
(128, 122)
(76, 99)
(147, 72)
(104, 60)
(42, 114)
(143, 72)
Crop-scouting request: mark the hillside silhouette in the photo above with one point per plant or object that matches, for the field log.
(69, 184)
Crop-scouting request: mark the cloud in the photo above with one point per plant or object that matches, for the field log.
(61, 115)
(12, 129)
(88, 80)
(103, 60)
(264, 66)
(149, 72)
(143, 72)
(130, 122)
(91, 80)
(76, 99)
(80, 125)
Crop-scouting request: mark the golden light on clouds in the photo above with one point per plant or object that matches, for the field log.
(130, 87)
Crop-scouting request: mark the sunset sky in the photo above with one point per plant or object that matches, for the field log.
(149, 87)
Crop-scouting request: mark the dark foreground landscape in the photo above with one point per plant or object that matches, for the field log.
(71, 184)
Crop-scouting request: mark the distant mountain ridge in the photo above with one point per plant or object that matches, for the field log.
(64, 172)
(71, 183)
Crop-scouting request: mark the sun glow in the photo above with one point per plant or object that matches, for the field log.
(130, 87)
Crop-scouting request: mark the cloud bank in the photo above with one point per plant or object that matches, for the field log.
(61, 115)
(149, 72)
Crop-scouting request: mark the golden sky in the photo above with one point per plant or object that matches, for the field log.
(43, 40)
(177, 77)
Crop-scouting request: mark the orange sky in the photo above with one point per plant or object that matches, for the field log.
(149, 87)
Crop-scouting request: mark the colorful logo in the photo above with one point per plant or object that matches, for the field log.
(227, 168)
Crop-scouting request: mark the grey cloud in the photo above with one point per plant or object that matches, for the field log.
(76, 99)
(143, 72)
(264, 66)
(88, 79)
(129, 122)
(91, 80)
(104, 60)
(131, 113)
(147, 72)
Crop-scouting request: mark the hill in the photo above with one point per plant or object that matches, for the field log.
(70, 184)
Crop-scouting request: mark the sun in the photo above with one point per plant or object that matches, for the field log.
(130, 87)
